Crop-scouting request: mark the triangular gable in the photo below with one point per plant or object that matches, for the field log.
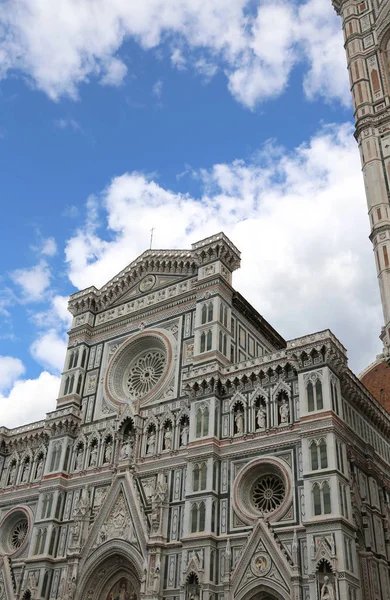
(148, 284)
(262, 559)
(119, 517)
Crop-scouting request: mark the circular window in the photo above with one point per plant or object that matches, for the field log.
(145, 373)
(14, 531)
(18, 534)
(268, 493)
(140, 368)
(262, 488)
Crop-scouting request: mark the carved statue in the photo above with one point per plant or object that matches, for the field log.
(75, 531)
(184, 435)
(168, 438)
(284, 412)
(239, 421)
(93, 457)
(108, 452)
(151, 442)
(12, 475)
(156, 579)
(261, 417)
(125, 450)
(25, 472)
(157, 502)
(79, 459)
(32, 580)
(39, 469)
(327, 591)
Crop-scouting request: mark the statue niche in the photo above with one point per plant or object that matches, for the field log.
(193, 587)
(326, 582)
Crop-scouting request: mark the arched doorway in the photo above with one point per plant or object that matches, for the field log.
(264, 596)
(262, 591)
(113, 572)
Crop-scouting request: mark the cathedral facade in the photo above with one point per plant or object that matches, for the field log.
(194, 454)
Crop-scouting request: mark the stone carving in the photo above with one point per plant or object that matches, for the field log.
(79, 459)
(39, 469)
(91, 383)
(107, 452)
(149, 488)
(151, 442)
(168, 438)
(239, 421)
(261, 564)
(12, 475)
(327, 591)
(25, 472)
(93, 456)
(261, 418)
(184, 434)
(157, 503)
(284, 412)
(119, 523)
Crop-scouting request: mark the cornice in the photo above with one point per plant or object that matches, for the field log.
(133, 322)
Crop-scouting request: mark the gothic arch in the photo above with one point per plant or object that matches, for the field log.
(257, 392)
(266, 590)
(281, 387)
(237, 398)
(119, 559)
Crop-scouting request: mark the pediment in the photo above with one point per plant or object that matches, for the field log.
(120, 517)
(148, 284)
(262, 559)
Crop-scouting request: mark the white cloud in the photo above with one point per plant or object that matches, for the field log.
(33, 281)
(10, 369)
(56, 316)
(60, 46)
(29, 400)
(49, 350)
(327, 75)
(299, 218)
(49, 247)
(158, 88)
(178, 60)
(68, 124)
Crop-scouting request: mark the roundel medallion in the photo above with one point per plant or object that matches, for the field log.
(261, 564)
(147, 283)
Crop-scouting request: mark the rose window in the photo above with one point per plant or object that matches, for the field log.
(141, 368)
(268, 493)
(18, 534)
(145, 373)
(263, 486)
(14, 530)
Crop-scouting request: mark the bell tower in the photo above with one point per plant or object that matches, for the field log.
(366, 27)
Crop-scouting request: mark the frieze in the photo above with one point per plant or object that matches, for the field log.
(132, 324)
(142, 302)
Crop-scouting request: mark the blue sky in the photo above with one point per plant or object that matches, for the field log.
(192, 118)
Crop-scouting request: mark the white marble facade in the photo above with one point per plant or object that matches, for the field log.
(195, 454)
